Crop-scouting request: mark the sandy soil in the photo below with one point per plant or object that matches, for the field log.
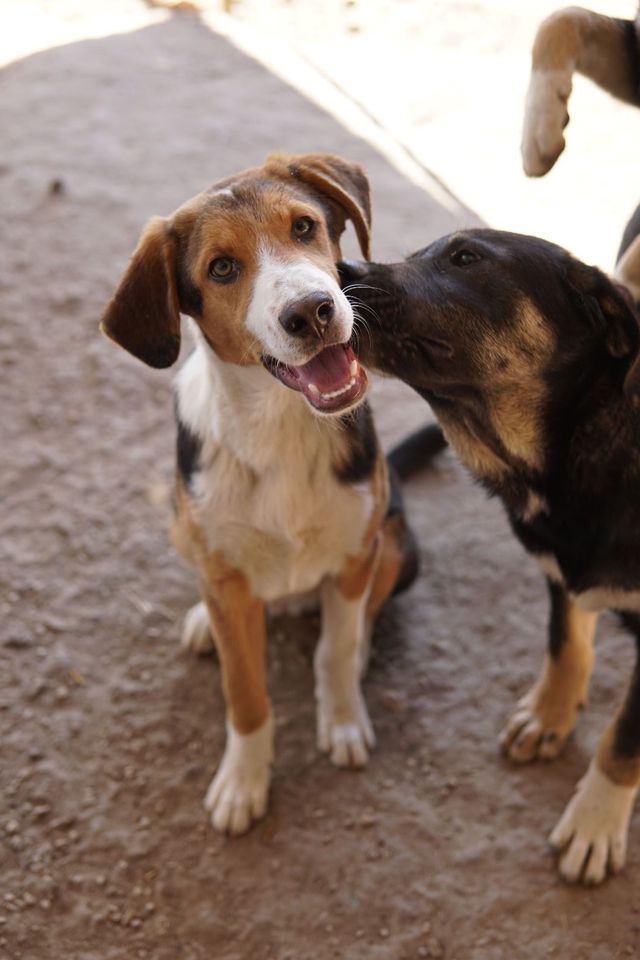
(109, 735)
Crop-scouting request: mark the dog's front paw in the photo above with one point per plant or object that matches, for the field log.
(196, 630)
(543, 719)
(546, 116)
(529, 735)
(344, 733)
(593, 829)
(238, 793)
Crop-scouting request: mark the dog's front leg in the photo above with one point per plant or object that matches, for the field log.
(546, 715)
(238, 793)
(344, 728)
(594, 827)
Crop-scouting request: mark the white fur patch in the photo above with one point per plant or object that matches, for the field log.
(594, 828)
(279, 283)
(545, 119)
(196, 630)
(606, 598)
(238, 793)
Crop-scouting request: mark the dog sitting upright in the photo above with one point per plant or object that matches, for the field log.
(281, 486)
(531, 363)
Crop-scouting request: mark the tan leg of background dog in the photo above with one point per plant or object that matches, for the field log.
(570, 40)
(344, 728)
(546, 715)
(238, 792)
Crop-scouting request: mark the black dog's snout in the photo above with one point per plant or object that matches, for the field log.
(350, 271)
(312, 314)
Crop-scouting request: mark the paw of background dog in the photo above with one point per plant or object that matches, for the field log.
(593, 829)
(344, 733)
(546, 116)
(237, 795)
(196, 631)
(533, 733)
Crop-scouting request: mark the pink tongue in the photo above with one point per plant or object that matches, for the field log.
(330, 370)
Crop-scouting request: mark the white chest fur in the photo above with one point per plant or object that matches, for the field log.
(266, 494)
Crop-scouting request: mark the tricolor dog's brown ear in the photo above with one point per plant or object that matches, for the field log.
(345, 183)
(143, 315)
(612, 306)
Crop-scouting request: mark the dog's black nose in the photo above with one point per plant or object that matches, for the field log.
(350, 271)
(311, 315)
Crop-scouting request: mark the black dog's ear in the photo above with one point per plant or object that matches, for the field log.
(143, 315)
(611, 308)
(340, 181)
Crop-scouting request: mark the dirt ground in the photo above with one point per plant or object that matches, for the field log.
(109, 735)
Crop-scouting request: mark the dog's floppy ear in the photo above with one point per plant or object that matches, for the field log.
(143, 315)
(612, 308)
(339, 180)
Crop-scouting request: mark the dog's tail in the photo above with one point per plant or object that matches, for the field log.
(416, 451)
(412, 454)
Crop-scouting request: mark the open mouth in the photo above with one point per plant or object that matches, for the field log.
(330, 382)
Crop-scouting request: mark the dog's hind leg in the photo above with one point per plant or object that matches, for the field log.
(604, 49)
(546, 715)
(594, 827)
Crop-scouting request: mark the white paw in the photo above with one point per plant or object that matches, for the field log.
(196, 631)
(545, 118)
(344, 733)
(238, 793)
(594, 828)
(527, 737)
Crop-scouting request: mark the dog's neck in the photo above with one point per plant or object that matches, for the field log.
(247, 411)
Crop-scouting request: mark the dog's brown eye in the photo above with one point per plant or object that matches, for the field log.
(303, 228)
(223, 269)
(462, 258)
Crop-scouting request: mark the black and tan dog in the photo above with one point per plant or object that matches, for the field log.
(282, 489)
(531, 362)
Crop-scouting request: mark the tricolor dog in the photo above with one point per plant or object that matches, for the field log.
(531, 362)
(282, 490)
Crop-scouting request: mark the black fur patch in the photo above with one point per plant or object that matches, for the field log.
(626, 741)
(188, 450)
(363, 445)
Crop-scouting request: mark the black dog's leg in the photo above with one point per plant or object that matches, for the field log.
(546, 715)
(595, 825)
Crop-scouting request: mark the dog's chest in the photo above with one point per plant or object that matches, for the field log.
(286, 527)
(266, 494)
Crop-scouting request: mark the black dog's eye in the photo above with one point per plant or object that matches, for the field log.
(463, 257)
(303, 228)
(224, 269)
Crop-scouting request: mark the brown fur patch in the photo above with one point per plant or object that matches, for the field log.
(593, 44)
(389, 566)
(237, 621)
(623, 771)
(563, 684)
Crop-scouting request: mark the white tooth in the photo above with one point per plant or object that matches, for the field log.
(353, 369)
(337, 393)
(313, 390)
